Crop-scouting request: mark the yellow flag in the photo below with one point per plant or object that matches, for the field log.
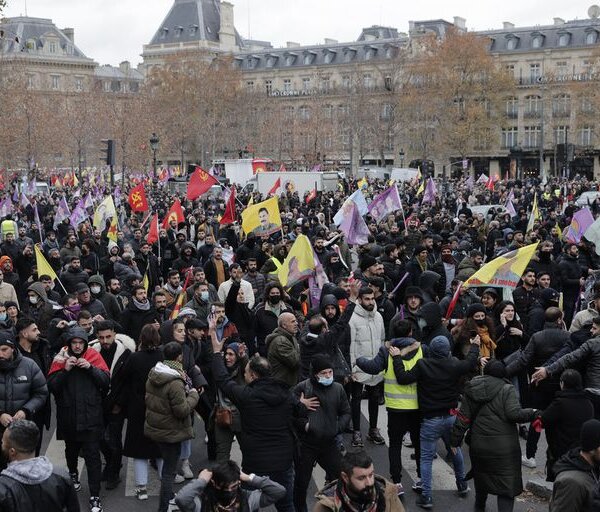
(505, 271)
(106, 209)
(146, 282)
(251, 202)
(560, 232)
(75, 181)
(419, 175)
(43, 267)
(299, 263)
(262, 218)
(421, 188)
(112, 230)
(535, 214)
(362, 184)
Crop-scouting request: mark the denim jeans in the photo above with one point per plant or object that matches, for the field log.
(285, 478)
(433, 429)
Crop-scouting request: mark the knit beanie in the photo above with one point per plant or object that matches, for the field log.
(439, 347)
(495, 368)
(475, 308)
(321, 362)
(233, 346)
(6, 339)
(366, 262)
(590, 435)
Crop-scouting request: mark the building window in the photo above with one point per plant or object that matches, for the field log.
(106, 86)
(328, 111)
(308, 59)
(367, 81)
(561, 70)
(328, 141)
(345, 139)
(561, 105)
(79, 84)
(387, 82)
(287, 141)
(563, 39)
(560, 134)
(509, 137)
(55, 82)
(511, 43)
(52, 47)
(587, 106)
(512, 108)
(250, 86)
(193, 30)
(30, 81)
(591, 37)
(343, 110)
(531, 138)
(288, 113)
(387, 112)
(535, 72)
(346, 82)
(537, 41)
(134, 87)
(533, 106)
(306, 84)
(328, 57)
(585, 135)
(287, 85)
(304, 113)
(269, 86)
(325, 83)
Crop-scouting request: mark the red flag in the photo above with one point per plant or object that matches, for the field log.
(137, 199)
(275, 187)
(490, 183)
(175, 213)
(282, 168)
(153, 233)
(200, 182)
(453, 302)
(312, 195)
(229, 215)
(259, 165)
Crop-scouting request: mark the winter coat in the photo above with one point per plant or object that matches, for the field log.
(583, 317)
(124, 272)
(168, 406)
(267, 409)
(367, 333)
(562, 421)
(329, 419)
(524, 300)
(575, 484)
(265, 322)
(570, 273)
(241, 315)
(42, 312)
(133, 319)
(78, 394)
(22, 386)
(283, 353)
(33, 484)
(70, 278)
(108, 300)
(326, 500)
(491, 409)
(136, 371)
(432, 314)
(588, 353)
(95, 307)
(210, 272)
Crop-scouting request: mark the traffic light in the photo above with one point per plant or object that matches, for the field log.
(108, 152)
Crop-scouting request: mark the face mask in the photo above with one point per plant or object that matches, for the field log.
(325, 381)
(33, 300)
(480, 323)
(225, 497)
(422, 323)
(95, 289)
(204, 296)
(75, 308)
(274, 299)
(2, 317)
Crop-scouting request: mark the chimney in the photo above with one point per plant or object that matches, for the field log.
(227, 30)
(331, 41)
(70, 33)
(292, 44)
(125, 67)
(460, 23)
(559, 21)
(507, 25)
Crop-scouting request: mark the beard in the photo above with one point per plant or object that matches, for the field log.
(369, 307)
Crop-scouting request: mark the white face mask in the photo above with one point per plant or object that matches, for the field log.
(95, 289)
(33, 300)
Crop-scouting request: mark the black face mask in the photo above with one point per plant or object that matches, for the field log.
(225, 496)
(480, 323)
(274, 299)
(545, 256)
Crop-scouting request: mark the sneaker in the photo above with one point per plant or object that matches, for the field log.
(424, 501)
(95, 504)
(375, 436)
(141, 493)
(528, 463)
(406, 441)
(186, 470)
(399, 489)
(172, 506)
(112, 483)
(357, 441)
(75, 480)
(179, 479)
(463, 489)
(418, 487)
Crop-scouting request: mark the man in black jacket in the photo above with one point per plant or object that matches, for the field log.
(438, 378)
(138, 313)
(571, 279)
(31, 483)
(266, 408)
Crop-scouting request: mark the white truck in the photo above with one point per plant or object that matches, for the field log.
(294, 181)
(241, 170)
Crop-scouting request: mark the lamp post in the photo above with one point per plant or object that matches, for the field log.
(154, 140)
(401, 155)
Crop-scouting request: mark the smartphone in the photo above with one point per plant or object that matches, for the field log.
(472, 334)
(212, 310)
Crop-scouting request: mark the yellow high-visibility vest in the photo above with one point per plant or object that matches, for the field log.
(400, 396)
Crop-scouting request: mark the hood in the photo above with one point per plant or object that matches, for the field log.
(30, 471)
(97, 279)
(39, 289)
(188, 245)
(161, 374)
(271, 391)
(571, 461)
(4, 259)
(428, 279)
(330, 300)
(402, 342)
(483, 388)
(432, 314)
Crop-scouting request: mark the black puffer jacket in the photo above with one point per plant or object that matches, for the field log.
(432, 314)
(22, 386)
(267, 409)
(491, 409)
(570, 273)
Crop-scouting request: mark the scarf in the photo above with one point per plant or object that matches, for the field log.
(343, 501)
(173, 291)
(91, 355)
(178, 367)
(143, 306)
(487, 343)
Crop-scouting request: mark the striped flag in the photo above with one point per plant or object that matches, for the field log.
(182, 296)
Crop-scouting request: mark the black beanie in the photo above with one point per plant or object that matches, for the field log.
(475, 308)
(366, 262)
(495, 368)
(590, 435)
(321, 362)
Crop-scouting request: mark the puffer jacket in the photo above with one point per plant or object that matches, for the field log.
(583, 317)
(491, 409)
(22, 386)
(575, 484)
(330, 418)
(283, 353)
(70, 278)
(168, 406)
(367, 333)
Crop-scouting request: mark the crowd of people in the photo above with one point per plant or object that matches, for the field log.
(137, 340)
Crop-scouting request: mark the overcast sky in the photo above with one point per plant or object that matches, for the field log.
(110, 31)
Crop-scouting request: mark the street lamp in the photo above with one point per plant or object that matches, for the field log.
(154, 140)
(401, 155)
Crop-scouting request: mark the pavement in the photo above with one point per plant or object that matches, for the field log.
(444, 488)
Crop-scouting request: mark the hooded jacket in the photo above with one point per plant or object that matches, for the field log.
(184, 263)
(283, 353)
(42, 312)
(70, 278)
(33, 484)
(327, 502)
(22, 386)
(433, 285)
(169, 406)
(367, 333)
(575, 484)
(110, 302)
(491, 409)
(432, 315)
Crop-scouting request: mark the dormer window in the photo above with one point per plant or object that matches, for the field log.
(164, 32)
(329, 56)
(290, 58)
(309, 57)
(193, 29)
(591, 37)
(178, 31)
(512, 42)
(349, 54)
(564, 39)
(271, 61)
(389, 52)
(52, 47)
(370, 52)
(537, 41)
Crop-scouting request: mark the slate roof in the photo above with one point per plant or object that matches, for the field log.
(108, 71)
(189, 21)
